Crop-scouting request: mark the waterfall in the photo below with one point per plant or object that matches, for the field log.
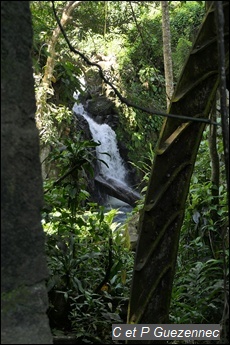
(112, 175)
(108, 150)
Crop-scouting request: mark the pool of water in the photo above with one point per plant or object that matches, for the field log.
(124, 209)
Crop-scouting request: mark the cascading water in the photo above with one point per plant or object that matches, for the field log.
(108, 152)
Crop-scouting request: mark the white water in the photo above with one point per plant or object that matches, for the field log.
(108, 150)
(105, 135)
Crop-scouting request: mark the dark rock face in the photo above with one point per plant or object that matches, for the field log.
(100, 106)
(100, 99)
(23, 262)
(81, 125)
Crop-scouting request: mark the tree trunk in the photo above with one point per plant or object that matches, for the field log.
(44, 88)
(23, 263)
(167, 51)
(68, 9)
(215, 238)
(50, 62)
(118, 190)
(212, 140)
(163, 212)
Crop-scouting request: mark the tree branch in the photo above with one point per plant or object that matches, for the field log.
(124, 100)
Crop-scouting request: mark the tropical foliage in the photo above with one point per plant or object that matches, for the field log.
(123, 29)
(89, 258)
(202, 267)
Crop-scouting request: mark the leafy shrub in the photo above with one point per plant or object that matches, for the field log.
(90, 271)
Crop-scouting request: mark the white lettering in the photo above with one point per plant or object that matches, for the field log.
(194, 333)
(187, 333)
(201, 333)
(158, 333)
(114, 330)
(173, 333)
(134, 331)
(143, 330)
(128, 333)
(180, 333)
(218, 333)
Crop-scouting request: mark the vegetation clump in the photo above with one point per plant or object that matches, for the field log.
(88, 253)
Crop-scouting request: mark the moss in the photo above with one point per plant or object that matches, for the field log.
(12, 299)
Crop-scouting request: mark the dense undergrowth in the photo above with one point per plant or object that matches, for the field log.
(90, 261)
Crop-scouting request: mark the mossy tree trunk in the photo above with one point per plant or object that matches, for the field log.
(163, 212)
(23, 263)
